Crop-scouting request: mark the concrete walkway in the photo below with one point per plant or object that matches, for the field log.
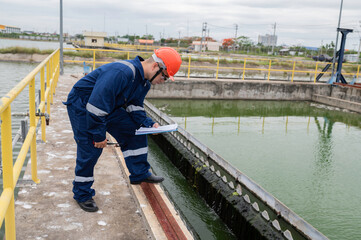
(48, 211)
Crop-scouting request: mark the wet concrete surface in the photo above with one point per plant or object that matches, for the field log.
(48, 211)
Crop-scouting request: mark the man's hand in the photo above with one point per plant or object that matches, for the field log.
(101, 144)
(155, 125)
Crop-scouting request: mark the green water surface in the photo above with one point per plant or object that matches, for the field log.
(305, 154)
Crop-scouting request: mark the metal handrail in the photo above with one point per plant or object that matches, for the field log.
(269, 66)
(269, 207)
(11, 171)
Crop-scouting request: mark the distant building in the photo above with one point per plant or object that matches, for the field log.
(28, 32)
(120, 39)
(312, 48)
(206, 45)
(351, 57)
(284, 51)
(9, 29)
(267, 40)
(94, 39)
(143, 42)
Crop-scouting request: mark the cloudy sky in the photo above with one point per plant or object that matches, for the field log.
(298, 22)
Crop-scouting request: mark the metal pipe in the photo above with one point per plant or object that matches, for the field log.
(344, 33)
(61, 38)
(334, 51)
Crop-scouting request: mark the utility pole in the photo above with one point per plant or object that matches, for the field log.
(358, 52)
(179, 32)
(146, 35)
(204, 34)
(61, 38)
(235, 38)
(335, 50)
(274, 37)
(187, 28)
(359, 45)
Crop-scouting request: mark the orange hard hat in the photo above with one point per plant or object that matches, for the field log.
(170, 58)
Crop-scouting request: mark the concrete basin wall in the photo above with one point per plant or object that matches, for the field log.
(334, 95)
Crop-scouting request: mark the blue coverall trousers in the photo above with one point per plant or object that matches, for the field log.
(122, 128)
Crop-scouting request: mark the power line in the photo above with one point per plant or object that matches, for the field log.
(220, 26)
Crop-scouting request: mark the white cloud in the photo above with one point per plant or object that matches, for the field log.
(298, 21)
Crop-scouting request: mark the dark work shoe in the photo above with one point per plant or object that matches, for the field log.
(151, 179)
(89, 205)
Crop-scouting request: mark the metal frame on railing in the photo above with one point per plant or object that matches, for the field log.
(269, 207)
(270, 64)
(11, 171)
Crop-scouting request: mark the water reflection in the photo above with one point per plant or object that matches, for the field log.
(325, 144)
(323, 154)
(290, 149)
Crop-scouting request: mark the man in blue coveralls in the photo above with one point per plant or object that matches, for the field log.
(110, 99)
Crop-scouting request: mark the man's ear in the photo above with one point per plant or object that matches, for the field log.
(154, 65)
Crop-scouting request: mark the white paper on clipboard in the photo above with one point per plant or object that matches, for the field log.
(160, 129)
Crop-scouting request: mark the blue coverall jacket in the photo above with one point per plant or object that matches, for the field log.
(109, 99)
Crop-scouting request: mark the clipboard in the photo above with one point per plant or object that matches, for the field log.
(160, 129)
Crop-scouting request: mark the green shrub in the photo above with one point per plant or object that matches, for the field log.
(15, 50)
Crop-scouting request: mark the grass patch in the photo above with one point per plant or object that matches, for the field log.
(16, 50)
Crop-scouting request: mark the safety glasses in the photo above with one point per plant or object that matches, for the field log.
(165, 77)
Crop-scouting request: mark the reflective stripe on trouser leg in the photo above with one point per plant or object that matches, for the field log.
(135, 148)
(136, 158)
(87, 157)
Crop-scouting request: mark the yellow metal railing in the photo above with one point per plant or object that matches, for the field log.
(266, 65)
(12, 171)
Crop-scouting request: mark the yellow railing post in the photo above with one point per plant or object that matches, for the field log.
(34, 172)
(244, 68)
(189, 65)
(293, 70)
(269, 69)
(57, 68)
(50, 68)
(93, 60)
(51, 83)
(58, 72)
(55, 71)
(314, 81)
(52, 79)
(358, 71)
(128, 55)
(42, 98)
(7, 162)
(217, 68)
(48, 86)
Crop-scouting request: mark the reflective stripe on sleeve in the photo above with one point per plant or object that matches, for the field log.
(131, 66)
(136, 152)
(94, 110)
(132, 108)
(83, 179)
